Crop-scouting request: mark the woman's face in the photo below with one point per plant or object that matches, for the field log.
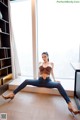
(44, 57)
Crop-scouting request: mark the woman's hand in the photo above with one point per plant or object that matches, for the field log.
(57, 81)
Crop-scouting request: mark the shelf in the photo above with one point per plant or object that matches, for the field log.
(4, 27)
(3, 3)
(6, 53)
(0, 64)
(4, 20)
(6, 71)
(4, 33)
(9, 69)
(4, 11)
(5, 63)
(2, 53)
(9, 53)
(5, 58)
(3, 72)
(5, 40)
(5, 67)
(5, 49)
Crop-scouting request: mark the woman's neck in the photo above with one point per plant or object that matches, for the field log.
(45, 62)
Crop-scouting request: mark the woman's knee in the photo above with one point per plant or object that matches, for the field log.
(25, 81)
(59, 84)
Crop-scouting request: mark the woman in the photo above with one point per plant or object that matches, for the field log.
(45, 69)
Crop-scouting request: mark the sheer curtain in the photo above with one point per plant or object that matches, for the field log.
(22, 29)
(15, 65)
(58, 34)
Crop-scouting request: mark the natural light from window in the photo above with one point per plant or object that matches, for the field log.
(59, 35)
(22, 29)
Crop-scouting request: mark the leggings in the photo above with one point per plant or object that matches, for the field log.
(48, 83)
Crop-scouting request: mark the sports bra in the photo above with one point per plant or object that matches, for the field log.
(45, 70)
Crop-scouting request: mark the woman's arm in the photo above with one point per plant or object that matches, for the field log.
(52, 64)
(38, 69)
(52, 73)
(38, 73)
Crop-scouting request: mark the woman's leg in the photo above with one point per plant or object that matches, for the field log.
(61, 90)
(26, 82)
(22, 85)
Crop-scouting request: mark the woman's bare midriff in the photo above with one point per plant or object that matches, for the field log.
(44, 76)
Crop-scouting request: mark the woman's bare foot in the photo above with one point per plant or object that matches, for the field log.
(10, 96)
(72, 109)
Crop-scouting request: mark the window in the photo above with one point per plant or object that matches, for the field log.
(58, 34)
(58, 29)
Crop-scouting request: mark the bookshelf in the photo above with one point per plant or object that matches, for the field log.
(5, 49)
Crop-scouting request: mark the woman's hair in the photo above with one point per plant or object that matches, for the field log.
(46, 54)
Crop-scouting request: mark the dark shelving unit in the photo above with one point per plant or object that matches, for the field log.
(5, 49)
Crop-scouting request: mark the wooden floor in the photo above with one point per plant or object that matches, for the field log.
(32, 106)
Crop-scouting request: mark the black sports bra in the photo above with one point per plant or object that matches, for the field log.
(45, 70)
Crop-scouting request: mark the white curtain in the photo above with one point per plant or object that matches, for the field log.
(15, 64)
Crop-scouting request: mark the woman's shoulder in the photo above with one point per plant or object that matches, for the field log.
(52, 64)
